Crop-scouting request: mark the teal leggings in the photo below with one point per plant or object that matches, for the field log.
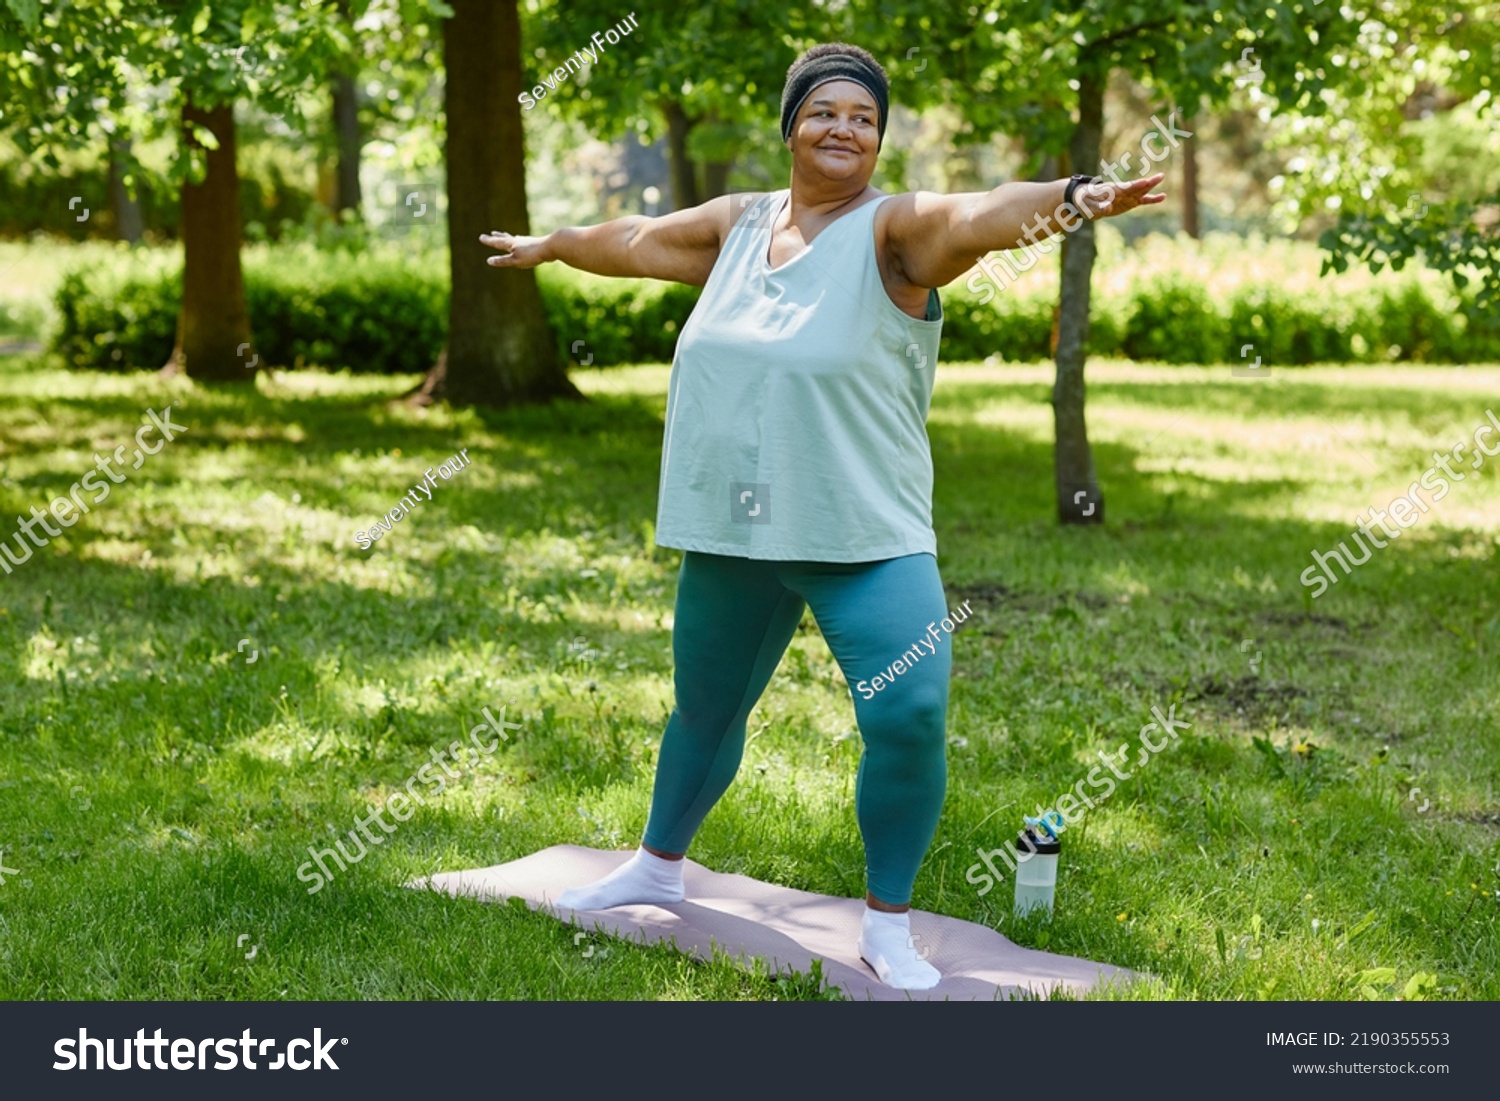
(734, 619)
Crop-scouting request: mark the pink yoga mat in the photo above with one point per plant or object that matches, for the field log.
(788, 929)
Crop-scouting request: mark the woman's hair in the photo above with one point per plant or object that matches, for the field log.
(827, 49)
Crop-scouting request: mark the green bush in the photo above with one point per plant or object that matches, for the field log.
(1010, 326)
(380, 310)
(1107, 318)
(614, 321)
(1173, 321)
(52, 199)
(1411, 327)
(105, 321)
(379, 315)
(1284, 330)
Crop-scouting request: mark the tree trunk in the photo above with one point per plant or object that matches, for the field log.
(1190, 184)
(213, 327)
(127, 212)
(962, 171)
(346, 194)
(500, 348)
(1051, 169)
(684, 171)
(1078, 498)
(716, 179)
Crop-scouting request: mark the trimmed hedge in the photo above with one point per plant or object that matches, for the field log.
(389, 314)
(371, 315)
(381, 316)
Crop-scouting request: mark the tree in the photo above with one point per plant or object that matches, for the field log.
(69, 68)
(500, 348)
(707, 76)
(213, 325)
(346, 192)
(1190, 223)
(348, 140)
(1038, 69)
(1414, 62)
(122, 203)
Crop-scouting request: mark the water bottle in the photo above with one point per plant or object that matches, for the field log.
(1036, 872)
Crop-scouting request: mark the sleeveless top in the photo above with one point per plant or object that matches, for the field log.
(797, 407)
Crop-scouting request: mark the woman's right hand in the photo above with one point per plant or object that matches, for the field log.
(516, 252)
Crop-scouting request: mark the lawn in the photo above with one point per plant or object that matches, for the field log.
(1328, 827)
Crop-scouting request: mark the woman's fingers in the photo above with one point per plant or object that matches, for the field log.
(498, 240)
(1145, 183)
(1117, 198)
(516, 252)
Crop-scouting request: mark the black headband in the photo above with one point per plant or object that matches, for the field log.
(820, 70)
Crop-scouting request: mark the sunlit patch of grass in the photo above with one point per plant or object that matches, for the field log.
(173, 787)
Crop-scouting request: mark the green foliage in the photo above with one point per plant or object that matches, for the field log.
(618, 321)
(381, 314)
(1283, 327)
(378, 310)
(1014, 327)
(1174, 321)
(271, 197)
(116, 324)
(20, 319)
(75, 71)
(718, 63)
(1450, 239)
(1409, 326)
(382, 317)
(384, 313)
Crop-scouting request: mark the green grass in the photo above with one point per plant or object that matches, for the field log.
(158, 792)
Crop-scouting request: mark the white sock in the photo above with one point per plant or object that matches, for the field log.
(645, 877)
(886, 944)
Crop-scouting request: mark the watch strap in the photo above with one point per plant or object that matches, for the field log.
(1073, 184)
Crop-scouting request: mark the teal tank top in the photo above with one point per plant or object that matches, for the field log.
(797, 407)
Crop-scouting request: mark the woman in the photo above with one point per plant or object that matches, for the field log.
(796, 470)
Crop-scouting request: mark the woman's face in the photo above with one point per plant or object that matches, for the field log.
(837, 133)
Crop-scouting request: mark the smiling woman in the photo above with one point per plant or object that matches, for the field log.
(796, 471)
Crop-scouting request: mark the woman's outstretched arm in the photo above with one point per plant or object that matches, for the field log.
(934, 239)
(681, 246)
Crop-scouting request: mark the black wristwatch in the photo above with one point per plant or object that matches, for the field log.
(1073, 183)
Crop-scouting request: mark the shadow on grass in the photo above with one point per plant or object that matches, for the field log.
(129, 676)
(587, 474)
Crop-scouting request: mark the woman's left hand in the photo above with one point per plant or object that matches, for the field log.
(1106, 198)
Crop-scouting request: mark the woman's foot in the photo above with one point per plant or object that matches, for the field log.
(886, 944)
(645, 877)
